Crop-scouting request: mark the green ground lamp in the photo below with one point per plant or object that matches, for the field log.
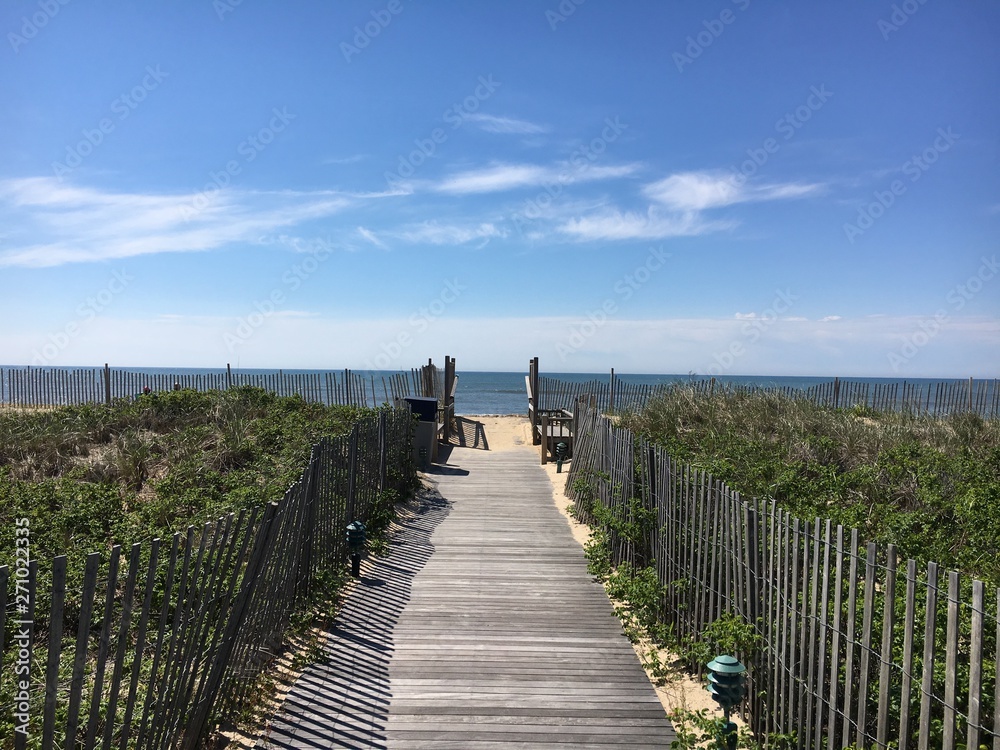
(562, 449)
(356, 537)
(727, 684)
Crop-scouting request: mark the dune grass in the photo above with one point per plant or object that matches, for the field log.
(929, 485)
(91, 475)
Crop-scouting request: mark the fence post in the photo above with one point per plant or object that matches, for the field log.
(447, 401)
(545, 438)
(303, 578)
(352, 474)
(534, 397)
(199, 720)
(383, 449)
(107, 384)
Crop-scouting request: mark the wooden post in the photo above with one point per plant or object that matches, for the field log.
(836, 392)
(383, 449)
(611, 392)
(107, 384)
(229, 377)
(352, 474)
(534, 399)
(576, 424)
(970, 394)
(55, 645)
(545, 438)
(448, 399)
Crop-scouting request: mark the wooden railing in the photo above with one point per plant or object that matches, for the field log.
(35, 387)
(856, 645)
(935, 398)
(154, 646)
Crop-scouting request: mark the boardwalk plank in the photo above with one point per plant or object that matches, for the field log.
(481, 629)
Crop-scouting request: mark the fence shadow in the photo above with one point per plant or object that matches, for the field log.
(470, 434)
(441, 466)
(342, 701)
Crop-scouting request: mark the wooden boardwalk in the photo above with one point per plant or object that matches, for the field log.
(481, 629)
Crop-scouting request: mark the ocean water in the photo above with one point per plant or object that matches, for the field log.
(505, 393)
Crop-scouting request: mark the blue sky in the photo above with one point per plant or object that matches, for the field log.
(731, 187)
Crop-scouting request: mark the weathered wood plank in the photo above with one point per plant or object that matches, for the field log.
(482, 628)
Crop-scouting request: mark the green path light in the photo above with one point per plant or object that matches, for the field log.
(561, 450)
(356, 537)
(727, 684)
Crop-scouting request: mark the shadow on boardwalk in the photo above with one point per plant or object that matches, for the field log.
(470, 434)
(342, 701)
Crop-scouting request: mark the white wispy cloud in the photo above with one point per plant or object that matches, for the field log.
(493, 179)
(505, 125)
(50, 224)
(613, 224)
(678, 206)
(369, 235)
(431, 232)
(500, 177)
(699, 191)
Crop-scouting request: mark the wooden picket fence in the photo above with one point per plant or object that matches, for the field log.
(157, 645)
(34, 387)
(938, 398)
(856, 645)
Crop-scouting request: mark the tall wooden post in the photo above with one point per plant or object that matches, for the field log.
(107, 384)
(534, 399)
(448, 397)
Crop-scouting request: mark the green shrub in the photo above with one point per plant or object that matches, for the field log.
(931, 486)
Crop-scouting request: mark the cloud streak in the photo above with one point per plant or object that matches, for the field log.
(502, 177)
(433, 233)
(613, 224)
(679, 203)
(700, 191)
(505, 125)
(49, 224)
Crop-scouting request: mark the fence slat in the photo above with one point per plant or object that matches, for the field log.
(861, 734)
(975, 660)
(140, 645)
(909, 628)
(885, 656)
(123, 629)
(927, 676)
(104, 644)
(54, 651)
(951, 662)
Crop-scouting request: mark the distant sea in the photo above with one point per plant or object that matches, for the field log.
(504, 392)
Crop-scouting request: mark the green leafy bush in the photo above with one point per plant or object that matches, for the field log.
(931, 486)
(92, 475)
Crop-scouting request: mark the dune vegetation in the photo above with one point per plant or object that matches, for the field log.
(929, 485)
(91, 475)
